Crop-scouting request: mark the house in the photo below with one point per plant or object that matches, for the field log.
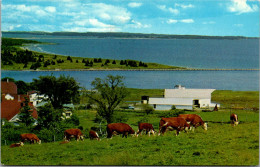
(36, 98)
(67, 111)
(183, 98)
(11, 108)
(11, 102)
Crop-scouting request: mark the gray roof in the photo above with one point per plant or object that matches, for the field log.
(188, 93)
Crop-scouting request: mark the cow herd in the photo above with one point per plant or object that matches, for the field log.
(183, 122)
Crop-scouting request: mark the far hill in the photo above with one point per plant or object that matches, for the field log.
(127, 35)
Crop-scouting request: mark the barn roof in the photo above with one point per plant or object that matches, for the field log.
(8, 87)
(188, 93)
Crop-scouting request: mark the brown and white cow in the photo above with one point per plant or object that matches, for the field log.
(147, 127)
(93, 135)
(32, 138)
(194, 120)
(16, 145)
(119, 128)
(70, 133)
(173, 123)
(234, 119)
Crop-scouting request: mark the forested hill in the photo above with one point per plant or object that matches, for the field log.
(127, 35)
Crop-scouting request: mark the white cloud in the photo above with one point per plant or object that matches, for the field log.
(174, 11)
(187, 21)
(184, 6)
(171, 10)
(33, 10)
(136, 24)
(96, 23)
(209, 22)
(162, 7)
(50, 9)
(8, 27)
(84, 29)
(115, 14)
(238, 25)
(241, 6)
(171, 21)
(134, 5)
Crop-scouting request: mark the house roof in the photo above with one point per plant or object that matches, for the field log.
(8, 87)
(10, 108)
(188, 93)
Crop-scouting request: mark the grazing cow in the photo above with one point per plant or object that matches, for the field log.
(16, 145)
(120, 128)
(194, 120)
(70, 133)
(234, 119)
(32, 138)
(145, 127)
(93, 135)
(173, 123)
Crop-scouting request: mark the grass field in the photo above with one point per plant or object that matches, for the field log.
(221, 144)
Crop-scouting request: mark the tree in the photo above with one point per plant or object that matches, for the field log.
(108, 94)
(22, 87)
(48, 116)
(59, 91)
(25, 116)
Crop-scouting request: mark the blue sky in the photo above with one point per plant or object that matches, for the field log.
(192, 17)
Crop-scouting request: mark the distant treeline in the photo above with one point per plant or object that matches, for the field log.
(130, 35)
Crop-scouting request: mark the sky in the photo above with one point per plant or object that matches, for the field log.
(181, 17)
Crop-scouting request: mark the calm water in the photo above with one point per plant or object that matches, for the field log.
(195, 53)
(221, 80)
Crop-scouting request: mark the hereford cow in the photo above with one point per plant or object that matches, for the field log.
(119, 128)
(70, 133)
(194, 120)
(93, 135)
(147, 127)
(234, 119)
(173, 123)
(16, 145)
(32, 138)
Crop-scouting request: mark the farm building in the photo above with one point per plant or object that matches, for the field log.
(182, 98)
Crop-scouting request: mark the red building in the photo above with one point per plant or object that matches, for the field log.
(11, 102)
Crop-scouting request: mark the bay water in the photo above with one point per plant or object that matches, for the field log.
(193, 53)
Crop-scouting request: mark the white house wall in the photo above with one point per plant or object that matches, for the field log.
(204, 103)
(171, 101)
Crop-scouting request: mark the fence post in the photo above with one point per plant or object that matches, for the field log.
(54, 138)
(5, 142)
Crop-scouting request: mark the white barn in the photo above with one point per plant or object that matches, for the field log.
(183, 98)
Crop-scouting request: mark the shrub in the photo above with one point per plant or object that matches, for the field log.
(173, 107)
(119, 118)
(171, 113)
(147, 109)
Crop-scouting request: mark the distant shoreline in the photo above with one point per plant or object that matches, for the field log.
(136, 70)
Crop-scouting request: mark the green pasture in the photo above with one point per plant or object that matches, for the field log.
(221, 144)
